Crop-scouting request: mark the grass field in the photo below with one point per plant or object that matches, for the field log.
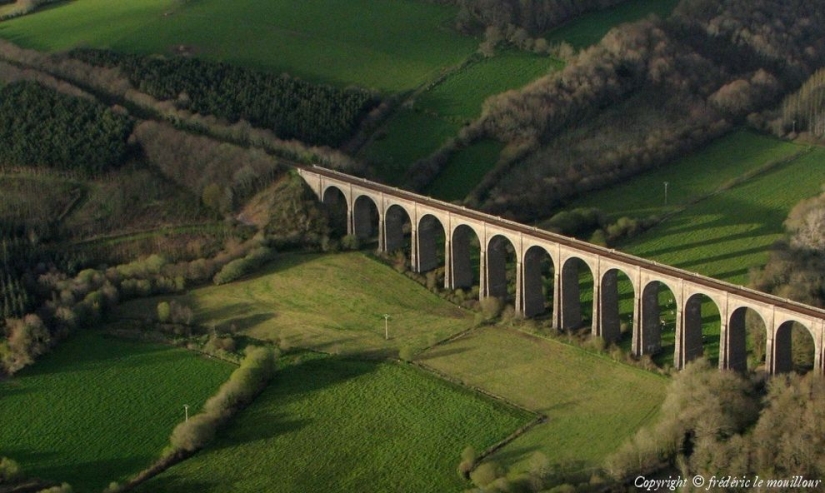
(587, 398)
(462, 93)
(343, 42)
(409, 136)
(330, 424)
(729, 233)
(325, 302)
(465, 170)
(589, 29)
(99, 409)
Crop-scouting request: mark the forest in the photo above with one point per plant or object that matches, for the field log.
(312, 113)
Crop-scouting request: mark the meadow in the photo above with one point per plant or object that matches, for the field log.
(100, 409)
(590, 28)
(332, 424)
(331, 303)
(583, 395)
(356, 46)
(465, 170)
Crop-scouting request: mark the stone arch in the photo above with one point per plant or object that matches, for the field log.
(744, 320)
(575, 275)
(794, 348)
(397, 226)
(700, 329)
(430, 236)
(615, 286)
(500, 253)
(656, 320)
(538, 277)
(337, 206)
(364, 217)
(465, 246)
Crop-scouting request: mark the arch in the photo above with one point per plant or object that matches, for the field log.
(744, 324)
(337, 206)
(538, 278)
(576, 278)
(430, 243)
(465, 246)
(364, 217)
(615, 287)
(700, 330)
(397, 225)
(794, 348)
(656, 333)
(500, 266)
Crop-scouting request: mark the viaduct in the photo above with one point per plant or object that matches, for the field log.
(429, 220)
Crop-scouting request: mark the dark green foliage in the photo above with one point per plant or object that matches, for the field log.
(41, 127)
(576, 222)
(294, 109)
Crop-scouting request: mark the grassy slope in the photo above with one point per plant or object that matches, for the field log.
(343, 42)
(584, 396)
(99, 409)
(326, 302)
(465, 170)
(331, 424)
(589, 29)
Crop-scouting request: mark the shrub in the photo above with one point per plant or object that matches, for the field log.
(491, 307)
(486, 473)
(9, 470)
(164, 312)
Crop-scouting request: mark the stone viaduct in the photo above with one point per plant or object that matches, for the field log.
(429, 220)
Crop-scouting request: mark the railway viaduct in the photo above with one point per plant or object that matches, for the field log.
(428, 220)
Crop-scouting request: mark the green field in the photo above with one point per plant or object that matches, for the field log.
(343, 42)
(409, 136)
(99, 409)
(332, 303)
(465, 170)
(331, 424)
(731, 232)
(462, 93)
(585, 397)
(590, 28)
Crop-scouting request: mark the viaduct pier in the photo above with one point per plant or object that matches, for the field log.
(429, 220)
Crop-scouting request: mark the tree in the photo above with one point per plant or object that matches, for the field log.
(164, 312)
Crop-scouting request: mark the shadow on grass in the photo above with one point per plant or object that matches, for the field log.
(440, 353)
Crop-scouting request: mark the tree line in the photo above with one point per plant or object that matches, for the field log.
(41, 127)
(294, 109)
(534, 16)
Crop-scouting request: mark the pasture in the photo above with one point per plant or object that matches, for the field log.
(332, 424)
(358, 45)
(462, 93)
(331, 303)
(590, 28)
(729, 233)
(409, 136)
(465, 169)
(583, 395)
(99, 409)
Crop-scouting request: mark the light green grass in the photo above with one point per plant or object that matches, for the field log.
(462, 93)
(590, 28)
(691, 177)
(592, 403)
(99, 409)
(409, 136)
(390, 45)
(325, 302)
(465, 170)
(331, 424)
(731, 232)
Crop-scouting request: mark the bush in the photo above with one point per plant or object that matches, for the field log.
(486, 473)
(164, 312)
(9, 470)
(491, 307)
(240, 267)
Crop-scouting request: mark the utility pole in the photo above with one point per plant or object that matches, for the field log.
(386, 327)
(186, 411)
(666, 184)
